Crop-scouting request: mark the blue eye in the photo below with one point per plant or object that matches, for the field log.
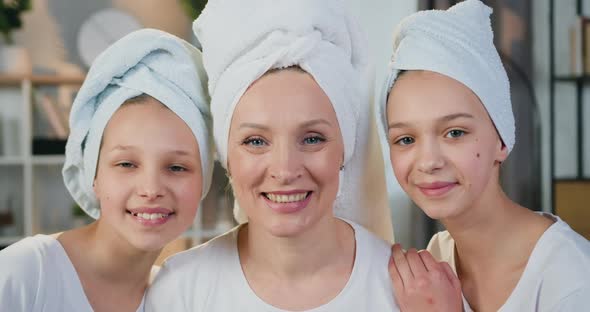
(313, 140)
(125, 164)
(455, 133)
(405, 141)
(256, 142)
(176, 168)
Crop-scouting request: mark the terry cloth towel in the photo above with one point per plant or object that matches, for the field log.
(458, 43)
(243, 40)
(147, 61)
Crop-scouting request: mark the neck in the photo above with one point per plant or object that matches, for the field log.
(108, 257)
(328, 243)
(489, 230)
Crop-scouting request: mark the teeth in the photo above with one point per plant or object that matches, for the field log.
(286, 198)
(150, 216)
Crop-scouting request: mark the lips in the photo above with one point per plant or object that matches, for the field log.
(286, 198)
(436, 189)
(151, 216)
(286, 202)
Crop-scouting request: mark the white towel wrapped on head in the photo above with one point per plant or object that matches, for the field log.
(147, 61)
(458, 43)
(243, 40)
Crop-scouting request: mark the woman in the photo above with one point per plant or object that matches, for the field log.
(287, 106)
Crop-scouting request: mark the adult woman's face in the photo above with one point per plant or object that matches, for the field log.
(285, 151)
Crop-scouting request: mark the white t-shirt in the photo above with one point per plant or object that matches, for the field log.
(37, 275)
(556, 276)
(210, 278)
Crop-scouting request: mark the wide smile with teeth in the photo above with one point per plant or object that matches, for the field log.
(150, 216)
(291, 198)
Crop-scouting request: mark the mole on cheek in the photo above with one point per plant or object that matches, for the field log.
(477, 155)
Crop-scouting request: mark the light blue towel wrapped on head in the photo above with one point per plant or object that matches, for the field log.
(150, 62)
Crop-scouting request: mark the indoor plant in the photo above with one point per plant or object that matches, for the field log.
(193, 7)
(10, 17)
(13, 58)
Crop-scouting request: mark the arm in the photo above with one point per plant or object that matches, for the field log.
(423, 284)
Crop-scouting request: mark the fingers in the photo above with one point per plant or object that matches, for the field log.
(415, 263)
(398, 284)
(401, 263)
(451, 275)
(429, 262)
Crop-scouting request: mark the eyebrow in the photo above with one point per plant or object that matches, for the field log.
(315, 122)
(306, 124)
(252, 125)
(446, 118)
(123, 148)
(120, 147)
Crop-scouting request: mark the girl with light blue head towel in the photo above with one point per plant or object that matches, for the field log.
(139, 161)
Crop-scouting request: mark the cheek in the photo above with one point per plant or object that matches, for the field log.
(245, 169)
(324, 166)
(401, 164)
(109, 198)
(106, 192)
(109, 184)
(475, 164)
(189, 190)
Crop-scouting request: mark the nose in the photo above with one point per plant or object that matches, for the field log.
(150, 184)
(286, 164)
(430, 156)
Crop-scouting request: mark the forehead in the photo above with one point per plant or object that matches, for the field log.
(429, 95)
(147, 107)
(149, 118)
(281, 95)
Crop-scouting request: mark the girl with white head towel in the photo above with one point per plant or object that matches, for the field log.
(289, 87)
(448, 118)
(138, 160)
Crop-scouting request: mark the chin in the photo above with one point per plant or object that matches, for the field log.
(441, 210)
(287, 228)
(150, 244)
(435, 214)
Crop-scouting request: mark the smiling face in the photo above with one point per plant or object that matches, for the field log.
(284, 153)
(148, 180)
(444, 149)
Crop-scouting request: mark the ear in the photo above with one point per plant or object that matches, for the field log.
(501, 151)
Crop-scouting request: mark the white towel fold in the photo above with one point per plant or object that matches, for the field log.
(243, 40)
(149, 62)
(458, 43)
